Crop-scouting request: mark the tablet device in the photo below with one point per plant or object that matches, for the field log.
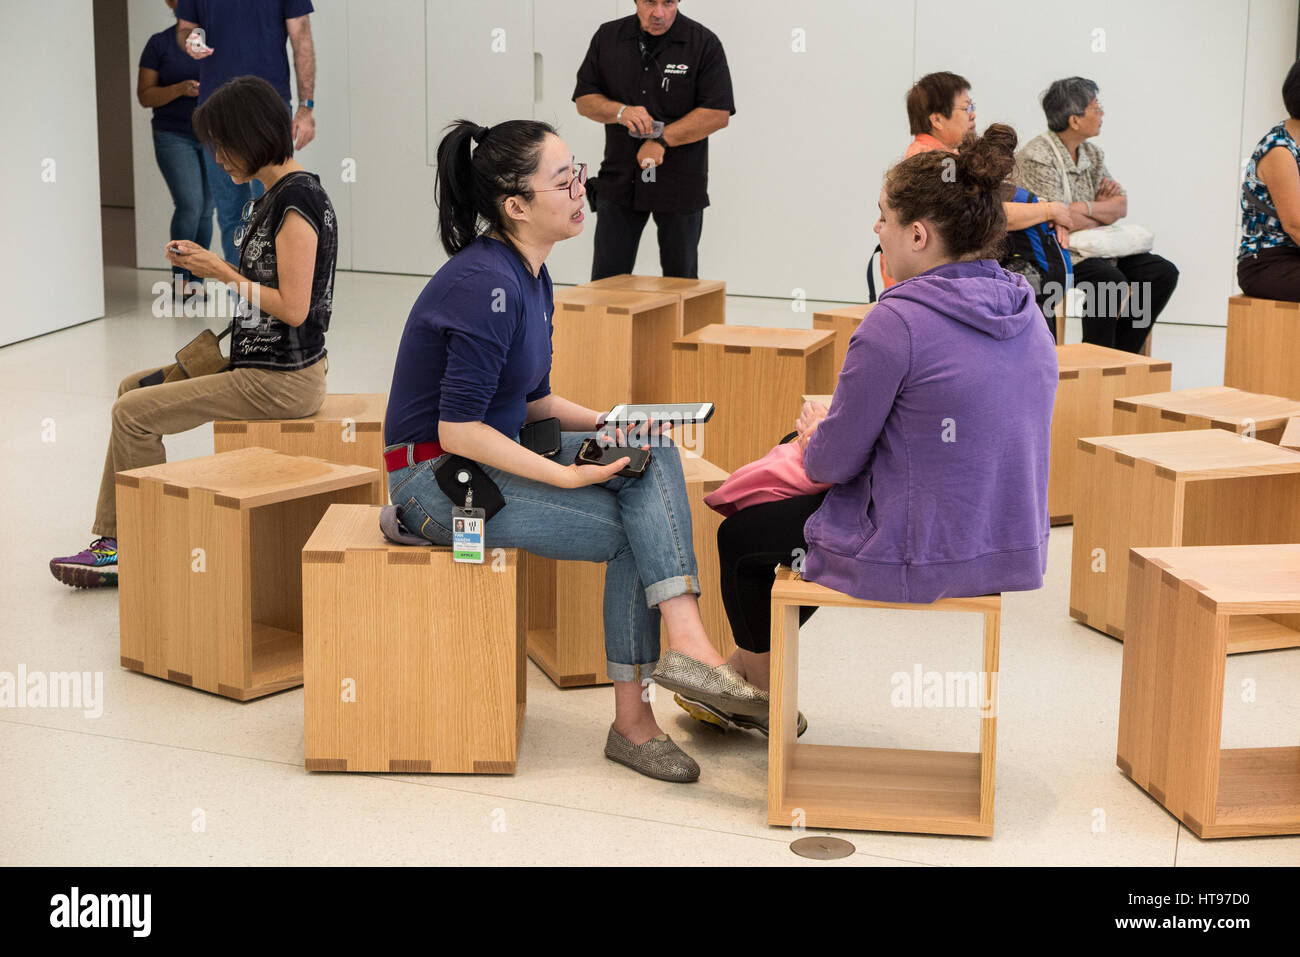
(680, 413)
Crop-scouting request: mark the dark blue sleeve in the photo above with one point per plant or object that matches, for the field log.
(297, 8)
(189, 10)
(543, 388)
(151, 58)
(478, 343)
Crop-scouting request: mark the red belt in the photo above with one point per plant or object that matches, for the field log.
(400, 458)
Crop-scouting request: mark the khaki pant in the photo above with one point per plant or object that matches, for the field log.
(142, 416)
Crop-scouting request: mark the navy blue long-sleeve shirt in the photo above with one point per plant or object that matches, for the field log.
(476, 347)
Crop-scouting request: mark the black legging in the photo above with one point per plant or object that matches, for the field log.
(751, 543)
(1100, 327)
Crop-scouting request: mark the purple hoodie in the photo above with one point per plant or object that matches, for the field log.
(937, 443)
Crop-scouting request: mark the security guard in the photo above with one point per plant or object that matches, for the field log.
(654, 67)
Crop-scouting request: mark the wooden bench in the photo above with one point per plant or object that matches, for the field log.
(1208, 487)
(843, 323)
(700, 302)
(1262, 350)
(875, 789)
(412, 662)
(755, 376)
(1185, 605)
(1261, 417)
(210, 581)
(347, 429)
(1091, 378)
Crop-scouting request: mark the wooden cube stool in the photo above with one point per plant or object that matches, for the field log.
(347, 429)
(755, 376)
(701, 302)
(411, 662)
(614, 345)
(1291, 435)
(1174, 488)
(566, 622)
(1215, 407)
(1091, 378)
(209, 575)
(1184, 606)
(1262, 351)
(843, 322)
(874, 789)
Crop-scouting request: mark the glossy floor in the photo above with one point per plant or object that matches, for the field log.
(170, 775)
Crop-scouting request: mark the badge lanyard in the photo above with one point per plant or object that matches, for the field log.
(467, 523)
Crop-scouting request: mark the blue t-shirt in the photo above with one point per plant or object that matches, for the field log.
(248, 38)
(174, 65)
(476, 347)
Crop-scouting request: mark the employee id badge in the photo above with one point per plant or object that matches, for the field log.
(467, 535)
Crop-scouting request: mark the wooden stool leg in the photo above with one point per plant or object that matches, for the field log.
(989, 720)
(783, 707)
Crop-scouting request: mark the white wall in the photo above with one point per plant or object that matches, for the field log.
(52, 269)
(1188, 85)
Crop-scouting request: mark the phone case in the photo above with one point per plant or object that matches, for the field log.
(586, 456)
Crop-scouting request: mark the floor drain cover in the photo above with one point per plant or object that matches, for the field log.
(822, 848)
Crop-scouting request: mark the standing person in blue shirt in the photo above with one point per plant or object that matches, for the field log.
(246, 38)
(474, 366)
(169, 83)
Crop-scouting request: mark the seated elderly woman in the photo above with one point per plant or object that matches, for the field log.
(1268, 260)
(1061, 166)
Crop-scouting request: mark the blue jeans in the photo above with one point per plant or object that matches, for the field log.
(639, 527)
(181, 160)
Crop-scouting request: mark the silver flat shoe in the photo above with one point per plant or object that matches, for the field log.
(707, 714)
(718, 687)
(657, 758)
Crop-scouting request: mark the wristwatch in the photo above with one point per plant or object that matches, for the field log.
(660, 141)
(309, 104)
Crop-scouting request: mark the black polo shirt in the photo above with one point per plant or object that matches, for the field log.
(683, 69)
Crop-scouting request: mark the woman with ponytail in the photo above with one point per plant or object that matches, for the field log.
(936, 441)
(473, 367)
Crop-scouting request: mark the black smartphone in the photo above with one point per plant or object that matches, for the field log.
(593, 453)
(542, 437)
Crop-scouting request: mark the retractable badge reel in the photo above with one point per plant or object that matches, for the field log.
(467, 526)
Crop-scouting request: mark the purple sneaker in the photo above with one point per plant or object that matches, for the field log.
(94, 567)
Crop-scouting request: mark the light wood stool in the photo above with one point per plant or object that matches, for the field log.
(1291, 435)
(412, 662)
(1091, 378)
(1262, 351)
(701, 302)
(1185, 604)
(874, 789)
(566, 622)
(210, 582)
(614, 346)
(843, 322)
(1216, 407)
(754, 375)
(347, 429)
(1174, 488)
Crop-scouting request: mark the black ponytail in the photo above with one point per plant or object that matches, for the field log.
(474, 180)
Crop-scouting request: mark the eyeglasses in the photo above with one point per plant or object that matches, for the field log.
(579, 177)
(969, 108)
(245, 215)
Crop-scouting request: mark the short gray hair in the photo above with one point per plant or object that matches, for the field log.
(1067, 98)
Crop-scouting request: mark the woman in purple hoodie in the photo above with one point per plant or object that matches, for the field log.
(936, 442)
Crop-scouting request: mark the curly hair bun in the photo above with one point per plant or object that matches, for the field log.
(986, 161)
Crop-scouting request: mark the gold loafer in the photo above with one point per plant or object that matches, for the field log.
(657, 758)
(718, 687)
(706, 714)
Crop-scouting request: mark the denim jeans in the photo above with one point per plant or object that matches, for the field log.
(181, 160)
(639, 527)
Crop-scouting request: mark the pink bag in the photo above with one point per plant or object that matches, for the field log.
(778, 474)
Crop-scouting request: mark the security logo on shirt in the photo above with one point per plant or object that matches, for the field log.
(676, 69)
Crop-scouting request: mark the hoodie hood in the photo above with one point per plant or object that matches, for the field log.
(980, 294)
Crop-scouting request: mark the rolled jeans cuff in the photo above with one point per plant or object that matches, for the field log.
(621, 672)
(661, 591)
